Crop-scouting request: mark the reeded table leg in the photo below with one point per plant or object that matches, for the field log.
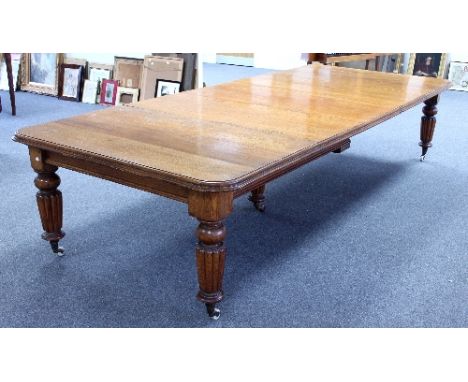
(428, 122)
(211, 254)
(49, 200)
(258, 198)
(210, 208)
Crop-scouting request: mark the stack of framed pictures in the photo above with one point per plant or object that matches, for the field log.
(92, 86)
(126, 81)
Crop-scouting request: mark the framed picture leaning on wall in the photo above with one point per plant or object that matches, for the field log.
(109, 92)
(458, 74)
(126, 96)
(90, 91)
(70, 82)
(39, 72)
(166, 87)
(427, 64)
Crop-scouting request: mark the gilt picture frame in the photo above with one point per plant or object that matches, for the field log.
(39, 72)
(427, 64)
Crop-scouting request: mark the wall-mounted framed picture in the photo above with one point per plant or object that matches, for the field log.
(39, 72)
(166, 87)
(458, 74)
(70, 81)
(109, 91)
(427, 64)
(126, 95)
(90, 90)
(128, 71)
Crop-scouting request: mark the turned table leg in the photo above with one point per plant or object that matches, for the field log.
(211, 254)
(428, 122)
(210, 208)
(49, 200)
(257, 197)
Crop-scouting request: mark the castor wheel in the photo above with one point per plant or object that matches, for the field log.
(56, 249)
(213, 312)
(260, 206)
(422, 158)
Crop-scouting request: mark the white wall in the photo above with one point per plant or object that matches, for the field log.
(104, 58)
(268, 60)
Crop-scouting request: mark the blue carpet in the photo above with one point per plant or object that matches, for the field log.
(368, 238)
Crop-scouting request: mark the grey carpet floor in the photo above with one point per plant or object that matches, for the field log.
(368, 238)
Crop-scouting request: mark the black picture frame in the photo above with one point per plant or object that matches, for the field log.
(76, 85)
(158, 90)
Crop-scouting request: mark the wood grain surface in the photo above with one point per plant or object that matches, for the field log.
(226, 136)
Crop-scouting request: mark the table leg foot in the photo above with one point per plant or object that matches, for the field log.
(345, 145)
(211, 254)
(257, 197)
(428, 122)
(49, 203)
(56, 248)
(213, 312)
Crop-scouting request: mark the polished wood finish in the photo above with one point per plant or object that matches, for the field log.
(280, 118)
(428, 122)
(258, 198)
(49, 198)
(207, 146)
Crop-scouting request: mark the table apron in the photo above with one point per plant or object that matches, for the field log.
(132, 179)
(271, 175)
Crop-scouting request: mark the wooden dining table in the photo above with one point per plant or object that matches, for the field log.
(206, 147)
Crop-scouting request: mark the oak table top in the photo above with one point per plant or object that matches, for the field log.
(225, 134)
(206, 147)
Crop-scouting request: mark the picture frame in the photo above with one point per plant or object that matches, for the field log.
(39, 72)
(458, 75)
(162, 68)
(130, 93)
(15, 64)
(109, 92)
(427, 64)
(90, 91)
(98, 72)
(166, 87)
(128, 71)
(77, 61)
(70, 82)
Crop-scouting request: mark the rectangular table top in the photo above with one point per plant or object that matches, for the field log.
(225, 134)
